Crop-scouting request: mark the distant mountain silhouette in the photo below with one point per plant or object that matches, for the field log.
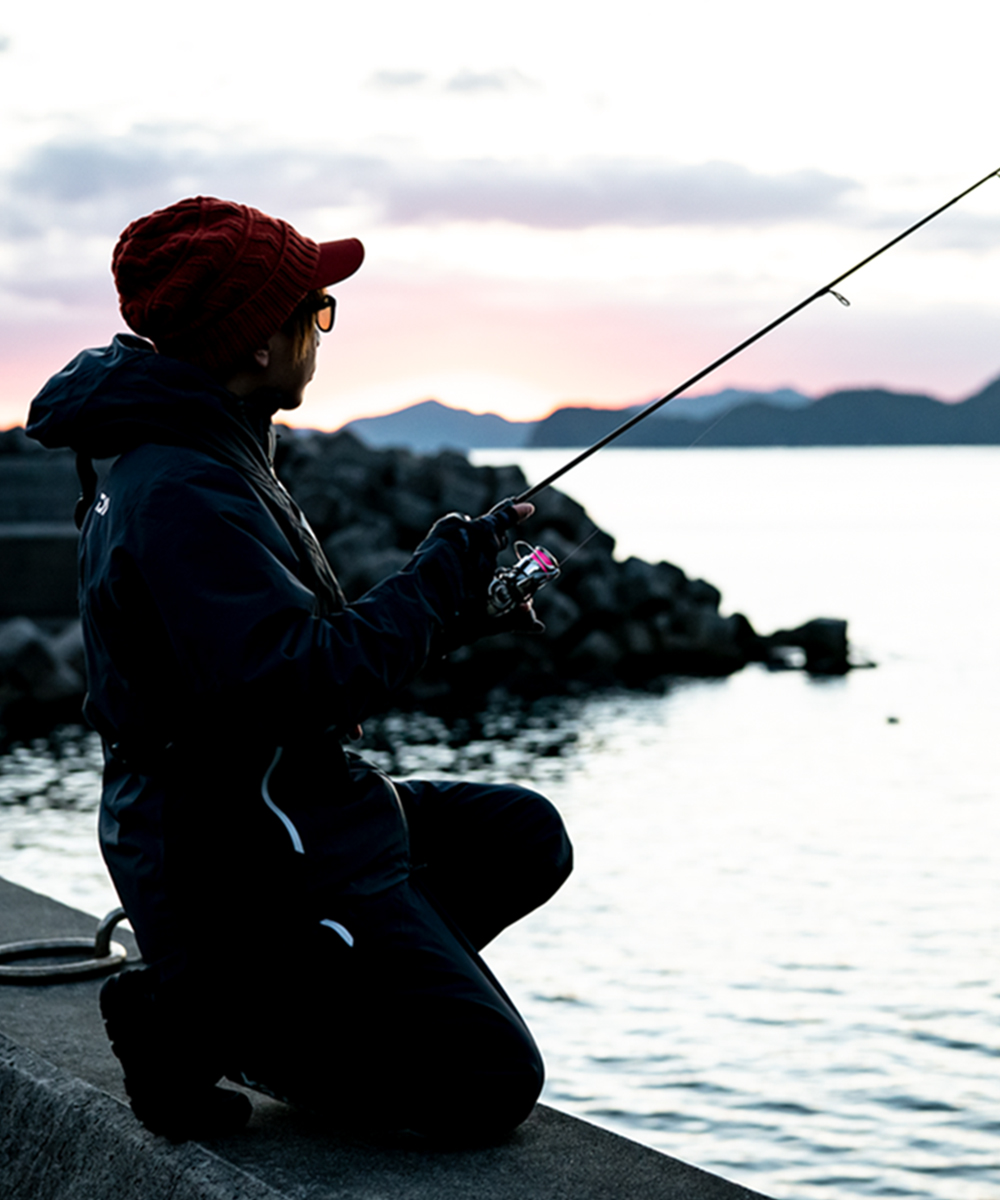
(702, 408)
(431, 426)
(873, 417)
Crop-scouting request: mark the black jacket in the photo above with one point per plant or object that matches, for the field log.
(222, 661)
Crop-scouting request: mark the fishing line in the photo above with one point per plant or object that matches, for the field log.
(827, 289)
(593, 533)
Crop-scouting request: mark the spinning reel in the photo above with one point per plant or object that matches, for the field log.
(512, 586)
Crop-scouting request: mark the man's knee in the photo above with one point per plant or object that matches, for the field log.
(562, 853)
(482, 1090)
(547, 846)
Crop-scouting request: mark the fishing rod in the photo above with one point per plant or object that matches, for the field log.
(535, 567)
(827, 289)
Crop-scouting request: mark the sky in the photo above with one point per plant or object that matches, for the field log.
(561, 202)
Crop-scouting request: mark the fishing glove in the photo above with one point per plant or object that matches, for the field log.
(477, 543)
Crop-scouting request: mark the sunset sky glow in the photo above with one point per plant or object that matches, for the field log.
(560, 202)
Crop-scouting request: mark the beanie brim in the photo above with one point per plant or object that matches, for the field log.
(337, 261)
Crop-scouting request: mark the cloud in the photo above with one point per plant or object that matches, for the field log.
(74, 171)
(504, 79)
(393, 81)
(973, 232)
(605, 192)
(488, 81)
(92, 183)
(64, 203)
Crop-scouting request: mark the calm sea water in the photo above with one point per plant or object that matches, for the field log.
(778, 956)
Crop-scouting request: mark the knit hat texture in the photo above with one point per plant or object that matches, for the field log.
(208, 281)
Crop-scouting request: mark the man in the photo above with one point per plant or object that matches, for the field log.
(310, 928)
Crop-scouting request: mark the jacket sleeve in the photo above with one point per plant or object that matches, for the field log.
(241, 630)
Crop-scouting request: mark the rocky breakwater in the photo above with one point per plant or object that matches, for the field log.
(608, 623)
(41, 651)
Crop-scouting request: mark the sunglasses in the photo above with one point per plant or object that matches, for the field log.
(324, 311)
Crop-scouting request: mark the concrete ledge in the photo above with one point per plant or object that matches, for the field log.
(61, 1139)
(65, 1131)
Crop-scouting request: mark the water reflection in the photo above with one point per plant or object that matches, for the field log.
(60, 770)
(509, 740)
(49, 794)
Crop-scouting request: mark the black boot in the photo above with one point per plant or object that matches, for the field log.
(170, 1072)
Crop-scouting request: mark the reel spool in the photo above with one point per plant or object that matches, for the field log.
(512, 586)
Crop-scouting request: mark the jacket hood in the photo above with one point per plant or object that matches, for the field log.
(109, 400)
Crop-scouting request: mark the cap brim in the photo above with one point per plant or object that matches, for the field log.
(337, 261)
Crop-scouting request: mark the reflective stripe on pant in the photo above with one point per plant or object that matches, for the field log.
(402, 1024)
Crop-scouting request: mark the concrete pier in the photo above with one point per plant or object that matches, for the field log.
(38, 569)
(38, 490)
(66, 1132)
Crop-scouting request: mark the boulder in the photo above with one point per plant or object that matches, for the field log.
(41, 676)
(596, 658)
(823, 641)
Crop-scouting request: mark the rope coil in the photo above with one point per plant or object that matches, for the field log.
(105, 956)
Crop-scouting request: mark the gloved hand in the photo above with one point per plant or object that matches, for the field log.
(522, 619)
(478, 542)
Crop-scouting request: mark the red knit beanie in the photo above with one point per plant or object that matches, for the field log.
(208, 281)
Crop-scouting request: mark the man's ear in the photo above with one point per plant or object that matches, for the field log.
(262, 357)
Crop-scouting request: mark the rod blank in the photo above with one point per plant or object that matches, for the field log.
(827, 289)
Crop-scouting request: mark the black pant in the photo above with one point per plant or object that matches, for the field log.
(388, 1016)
